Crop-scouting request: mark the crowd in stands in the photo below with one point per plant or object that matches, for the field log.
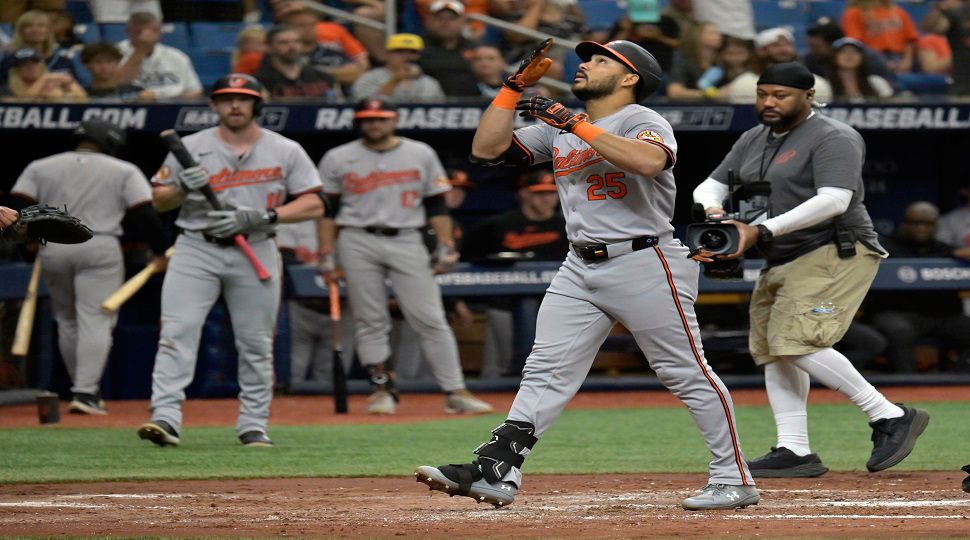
(714, 49)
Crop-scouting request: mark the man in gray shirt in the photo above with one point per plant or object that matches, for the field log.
(401, 78)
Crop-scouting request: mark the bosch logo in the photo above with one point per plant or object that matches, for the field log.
(907, 274)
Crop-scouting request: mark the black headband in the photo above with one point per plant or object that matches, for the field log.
(790, 74)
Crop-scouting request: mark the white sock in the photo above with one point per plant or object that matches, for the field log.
(787, 388)
(834, 370)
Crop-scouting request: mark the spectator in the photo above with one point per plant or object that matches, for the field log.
(166, 71)
(905, 317)
(247, 57)
(534, 231)
(473, 30)
(119, 11)
(732, 17)
(773, 46)
(33, 29)
(62, 26)
(646, 26)
(286, 73)
(719, 61)
(401, 78)
(682, 11)
(851, 77)
(30, 80)
(11, 10)
(546, 16)
(488, 65)
(207, 10)
(329, 45)
(822, 35)
(103, 62)
(953, 228)
(934, 55)
(886, 28)
(446, 51)
(952, 19)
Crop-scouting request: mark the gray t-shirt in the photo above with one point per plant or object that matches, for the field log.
(602, 203)
(96, 188)
(819, 152)
(954, 228)
(383, 188)
(423, 88)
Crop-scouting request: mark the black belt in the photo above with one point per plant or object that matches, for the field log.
(596, 252)
(228, 241)
(382, 231)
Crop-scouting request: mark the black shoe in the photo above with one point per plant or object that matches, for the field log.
(966, 481)
(160, 433)
(255, 439)
(87, 404)
(894, 438)
(783, 463)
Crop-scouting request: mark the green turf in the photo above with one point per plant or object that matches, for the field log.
(582, 441)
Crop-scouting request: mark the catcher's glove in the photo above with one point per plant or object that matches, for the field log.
(551, 112)
(45, 223)
(531, 69)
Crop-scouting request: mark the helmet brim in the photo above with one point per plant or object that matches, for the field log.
(245, 91)
(586, 50)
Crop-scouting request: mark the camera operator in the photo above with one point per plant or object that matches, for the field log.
(821, 256)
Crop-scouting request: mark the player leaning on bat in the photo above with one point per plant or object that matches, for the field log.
(261, 178)
(613, 172)
(101, 190)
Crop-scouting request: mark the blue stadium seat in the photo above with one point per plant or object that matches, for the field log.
(79, 10)
(176, 35)
(772, 13)
(209, 64)
(87, 32)
(601, 14)
(826, 8)
(7, 28)
(215, 35)
(113, 32)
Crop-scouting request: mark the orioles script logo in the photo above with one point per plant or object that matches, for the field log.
(786, 156)
(522, 240)
(226, 179)
(378, 179)
(575, 159)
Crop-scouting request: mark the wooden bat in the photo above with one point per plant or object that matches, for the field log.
(339, 376)
(25, 323)
(174, 143)
(133, 285)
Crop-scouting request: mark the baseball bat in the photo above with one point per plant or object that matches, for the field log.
(133, 285)
(174, 143)
(25, 322)
(339, 376)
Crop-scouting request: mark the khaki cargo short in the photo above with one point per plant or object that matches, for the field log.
(807, 305)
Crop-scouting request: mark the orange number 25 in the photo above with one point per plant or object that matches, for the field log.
(610, 186)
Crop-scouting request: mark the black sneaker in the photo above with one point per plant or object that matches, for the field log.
(894, 438)
(255, 439)
(160, 433)
(87, 404)
(966, 481)
(783, 463)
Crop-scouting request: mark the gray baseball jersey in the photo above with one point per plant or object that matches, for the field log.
(98, 189)
(272, 169)
(602, 203)
(383, 188)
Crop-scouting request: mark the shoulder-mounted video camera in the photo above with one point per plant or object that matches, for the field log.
(712, 234)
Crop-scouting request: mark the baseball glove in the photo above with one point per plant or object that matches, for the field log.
(45, 223)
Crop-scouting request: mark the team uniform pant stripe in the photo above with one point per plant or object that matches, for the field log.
(700, 363)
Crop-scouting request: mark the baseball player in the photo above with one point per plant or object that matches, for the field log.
(613, 172)
(383, 189)
(821, 255)
(101, 190)
(252, 171)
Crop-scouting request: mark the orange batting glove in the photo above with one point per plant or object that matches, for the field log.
(531, 69)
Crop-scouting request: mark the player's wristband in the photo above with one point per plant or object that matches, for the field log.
(506, 99)
(587, 131)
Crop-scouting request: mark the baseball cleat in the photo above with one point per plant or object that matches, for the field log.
(463, 401)
(783, 463)
(462, 480)
(87, 404)
(255, 439)
(381, 402)
(722, 497)
(894, 438)
(160, 433)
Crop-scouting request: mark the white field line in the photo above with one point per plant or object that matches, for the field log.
(835, 516)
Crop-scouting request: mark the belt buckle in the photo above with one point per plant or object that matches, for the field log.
(593, 253)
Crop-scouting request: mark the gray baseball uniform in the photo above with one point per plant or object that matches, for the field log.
(99, 190)
(651, 291)
(200, 269)
(385, 189)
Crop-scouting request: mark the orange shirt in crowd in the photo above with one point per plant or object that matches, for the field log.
(471, 6)
(248, 62)
(936, 43)
(338, 37)
(885, 29)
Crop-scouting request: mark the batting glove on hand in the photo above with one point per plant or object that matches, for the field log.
(444, 259)
(238, 221)
(193, 178)
(531, 69)
(327, 267)
(551, 112)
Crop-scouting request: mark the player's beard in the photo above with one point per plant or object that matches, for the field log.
(596, 90)
(238, 122)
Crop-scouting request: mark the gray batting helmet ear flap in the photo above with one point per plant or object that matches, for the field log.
(634, 57)
(109, 137)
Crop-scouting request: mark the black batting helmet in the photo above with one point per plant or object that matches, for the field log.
(374, 108)
(109, 137)
(633, 56)
(240, 83)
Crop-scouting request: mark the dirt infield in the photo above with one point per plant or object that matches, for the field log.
(569, 506)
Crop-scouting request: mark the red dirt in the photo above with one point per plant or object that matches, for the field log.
(925, 504)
